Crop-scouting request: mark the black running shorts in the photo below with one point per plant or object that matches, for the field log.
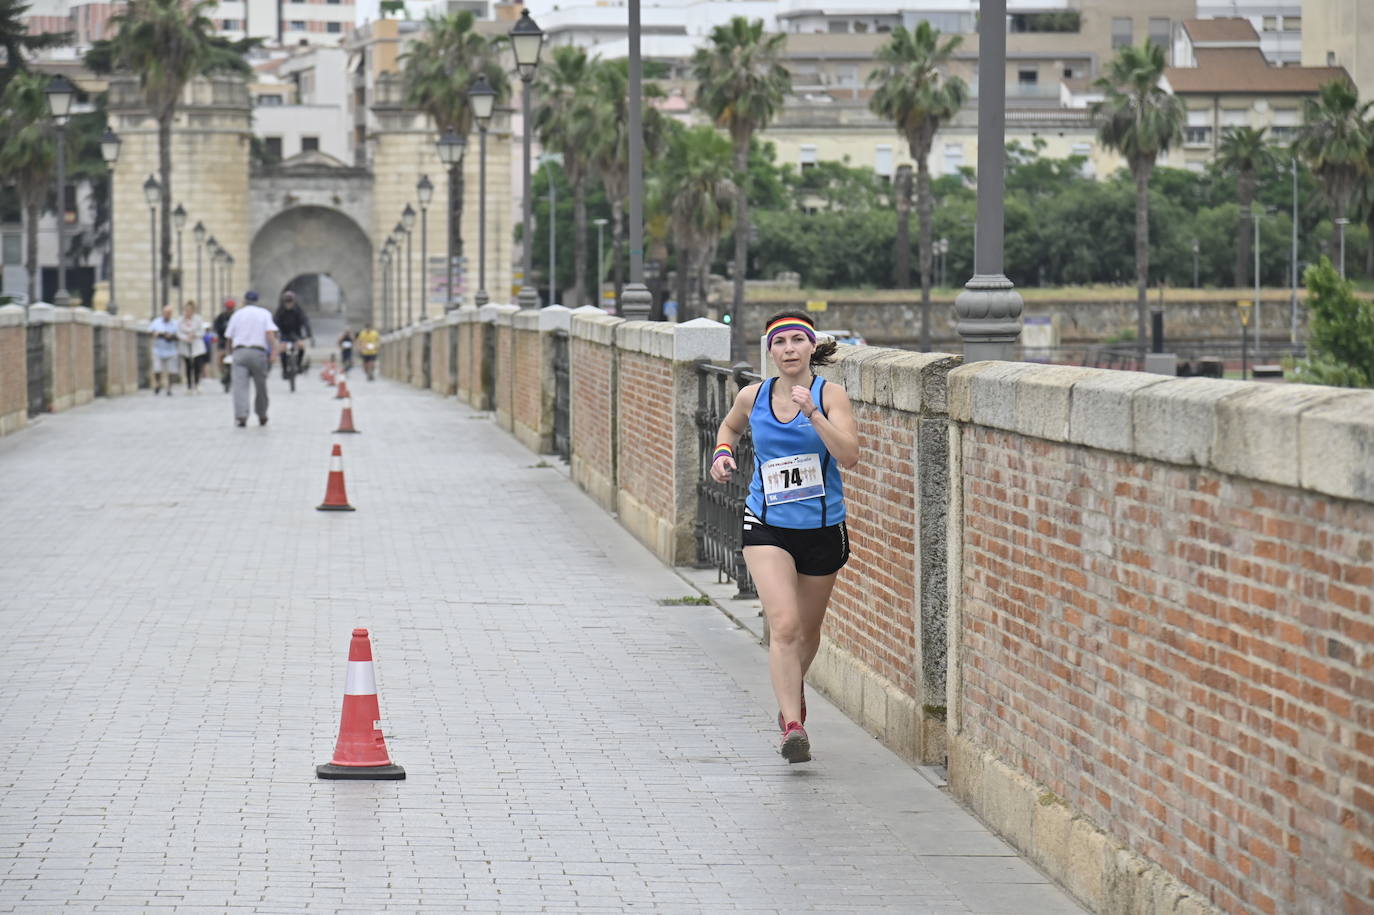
(815, 551)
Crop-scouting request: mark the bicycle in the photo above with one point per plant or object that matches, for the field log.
(290, 364)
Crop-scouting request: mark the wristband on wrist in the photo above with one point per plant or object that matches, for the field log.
(723, 450)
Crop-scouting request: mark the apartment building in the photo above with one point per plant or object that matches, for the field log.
(1340, 33)
(1225, 81)
(1278, 22)
(277, 22)
(300, 104)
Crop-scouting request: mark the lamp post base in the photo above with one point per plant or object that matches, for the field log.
(480, 298)
(635, 302)
(989, 318)
(61, 299)
(528, 298)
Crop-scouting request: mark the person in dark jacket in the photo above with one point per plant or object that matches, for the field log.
(294, 327)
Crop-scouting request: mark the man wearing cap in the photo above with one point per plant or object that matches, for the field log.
(252, 336)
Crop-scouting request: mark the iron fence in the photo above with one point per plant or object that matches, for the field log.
(720, 506)
(38, 370)
(452, 359)
(145, 360)
(100, 349)
(562, 396)
(488, 365)
(426, 366)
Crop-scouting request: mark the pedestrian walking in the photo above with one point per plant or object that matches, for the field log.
(164, 329)
(369, 345)
(346, 348)
(794, 536)
(222, 342)
(191, 343)
(252, 336)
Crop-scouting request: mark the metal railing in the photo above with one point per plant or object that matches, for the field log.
(720, 506)
(100, 349)
(562, 396)
(426, 366)
(488, 332)
(144, 349)
(37, 370)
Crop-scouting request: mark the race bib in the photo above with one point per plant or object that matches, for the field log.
(792, 479)
(347, 344)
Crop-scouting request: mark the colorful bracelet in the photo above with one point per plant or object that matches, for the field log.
(723, 450)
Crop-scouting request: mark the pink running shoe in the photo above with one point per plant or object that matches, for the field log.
(782, 725)
(796, 746)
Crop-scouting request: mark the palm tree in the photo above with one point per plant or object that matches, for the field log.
(1140, 120)
(915, 93)
(563, 122)
(741, 85)
(609, 149)
(16, 40)
(697, 192)
(1334, 140)
(28, 156)
(1244, 153)
(167, 43)
(437, 72)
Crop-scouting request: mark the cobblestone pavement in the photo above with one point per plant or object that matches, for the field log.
(177, 615)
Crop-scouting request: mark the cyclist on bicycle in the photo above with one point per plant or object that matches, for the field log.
(295, 328)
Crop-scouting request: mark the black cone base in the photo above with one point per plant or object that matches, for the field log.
(359, 773)
(347, 432)
(335, 508)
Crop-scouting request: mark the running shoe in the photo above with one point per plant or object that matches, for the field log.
(796, 746)
(782, 725)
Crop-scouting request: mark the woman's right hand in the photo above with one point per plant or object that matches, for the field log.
(722, 468)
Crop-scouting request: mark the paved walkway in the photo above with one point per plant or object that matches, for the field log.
(176, 620)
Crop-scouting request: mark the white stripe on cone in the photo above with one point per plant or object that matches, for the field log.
(336, 463)
(360, 680)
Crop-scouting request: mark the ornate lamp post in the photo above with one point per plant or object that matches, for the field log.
(424, 191)
(450, 148)
(109, 151)
(527, 39)
(482, 99)
(152, 192)
(61, 93)
(212, 252)
(1243, 307)
(398, 232)
(385, 257)
(408, 223)
(179, 223)
(198, 236)
(1197, 247)
(1341, 223)
(989, 308)
(635, 299)
(600, 262)
(229, 271)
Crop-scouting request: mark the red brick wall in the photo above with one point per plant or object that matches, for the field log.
(590, 390)
(13, 370)
(83, 360)
(439, 379)
(504, 370)
(529, 370)
(873, 612)
(1183, 656)
(62, 369)
(645, 431)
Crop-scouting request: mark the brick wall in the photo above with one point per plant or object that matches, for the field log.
(13, 369)
(592, 385)
(82, 360)
(1170, 638)
(440, 380)
(644, 431)
(527, 406)
(504, 371)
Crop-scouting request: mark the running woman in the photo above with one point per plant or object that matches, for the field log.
(794, 535)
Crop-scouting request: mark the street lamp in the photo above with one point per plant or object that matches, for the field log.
(526, 40)
(1243, 307)
(424, 192)
(635, 300)
(989, 308)
(553, 225)
(1256, 213)
(1341, 223)
(198, 236)
(229, 271)
(450, 148)
(109, 151)
(385, 257)
(403, 229)
(1293, 296)
(482, 99)
(152, 192)
(179, 223)
(1197, 247)
(61, 93)
(942, 248)
(212, 252)
(600, 264)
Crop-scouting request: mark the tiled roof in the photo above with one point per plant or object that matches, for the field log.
(1208, 30)
(1244, 71)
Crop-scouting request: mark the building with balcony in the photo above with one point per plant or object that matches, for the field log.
(1225, 81)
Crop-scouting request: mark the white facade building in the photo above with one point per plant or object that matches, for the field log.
(311, 111)
(1279, 25)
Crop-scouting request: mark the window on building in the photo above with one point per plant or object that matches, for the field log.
(1235, 117)
(310, 144)
(1075, 71)
(12, 248)
(1027, 76)
(1084, 151)
(1285, 126)
(954, 158)
(1063, 21)
(839, 25)
(808, 156)
(1161, 32)
(1123, 32)
(882, 160)
(269, 100)
(273, 147)
(860, 27)
(298, 25)
(847, 75)
(1271, 23)
(333, 27)
(1331, 58)
(10, 208)
(1199, 129)
(1292, 23)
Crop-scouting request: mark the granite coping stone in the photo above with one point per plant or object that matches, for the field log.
(1336, 447)
(1257, 429)
(595, 328)
(13, 316)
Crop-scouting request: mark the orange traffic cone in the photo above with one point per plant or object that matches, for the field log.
(343, 390)
(346, 418)
(361, 750)
(335, 497)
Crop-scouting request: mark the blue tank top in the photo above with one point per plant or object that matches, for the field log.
(774, 439)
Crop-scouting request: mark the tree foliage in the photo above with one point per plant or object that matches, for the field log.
(1341, 331)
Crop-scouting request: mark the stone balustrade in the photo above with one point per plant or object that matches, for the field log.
(53, 359)
(1132, 613)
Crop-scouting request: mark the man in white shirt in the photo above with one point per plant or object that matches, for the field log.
(252, 336)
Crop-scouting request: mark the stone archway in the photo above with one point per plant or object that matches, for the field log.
(314, 239)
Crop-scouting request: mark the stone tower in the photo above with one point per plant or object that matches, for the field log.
(211, 142)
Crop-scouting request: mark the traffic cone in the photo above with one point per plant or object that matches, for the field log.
(361, 750)
(343, 390)
(346, 418)
(335, 497)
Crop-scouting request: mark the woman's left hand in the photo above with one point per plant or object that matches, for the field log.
(801, 396)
